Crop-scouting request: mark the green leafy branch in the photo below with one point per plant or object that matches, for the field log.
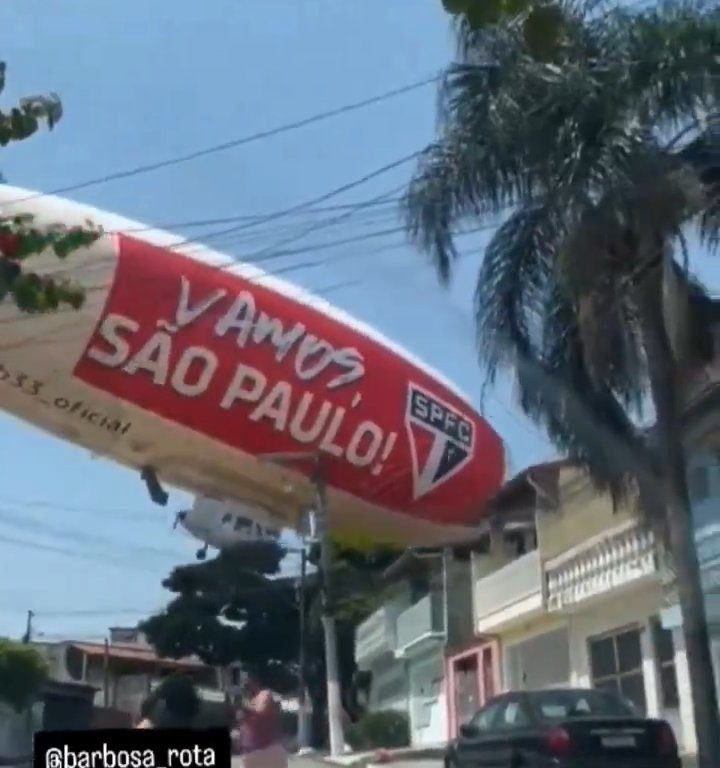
(23, 673)
(33, 292)
(543, 22)
(19, 239)
(24, 120)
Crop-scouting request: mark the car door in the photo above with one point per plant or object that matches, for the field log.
(471, 750)
(513, 734)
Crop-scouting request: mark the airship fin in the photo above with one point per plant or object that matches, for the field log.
(157, 493)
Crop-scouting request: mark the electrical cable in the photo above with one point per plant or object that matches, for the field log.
(238, 142)
(254, 216)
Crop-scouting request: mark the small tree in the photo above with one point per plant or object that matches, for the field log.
(174, 703)
(233, 608)
(19, 239)
(23, 673)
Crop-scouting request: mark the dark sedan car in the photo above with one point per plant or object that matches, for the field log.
(562, 728)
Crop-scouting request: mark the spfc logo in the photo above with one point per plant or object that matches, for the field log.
(442, 440)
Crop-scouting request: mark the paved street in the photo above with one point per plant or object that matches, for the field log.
(315, 763)
(307, 762)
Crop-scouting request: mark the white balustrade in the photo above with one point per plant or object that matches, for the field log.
(622, 558)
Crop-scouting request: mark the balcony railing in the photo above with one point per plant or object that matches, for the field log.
(375, 636)
(608, 564)
(424, 620)
(515, 584)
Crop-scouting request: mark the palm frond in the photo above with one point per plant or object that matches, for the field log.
(581, 415)
(576, 146)
(702, 155)
(669, 54)
(512, 284)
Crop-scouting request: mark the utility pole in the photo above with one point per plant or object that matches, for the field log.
(27, 637)
(446, 560)
(303, 734)
(332, 669)
(332, 673)
(106, 674)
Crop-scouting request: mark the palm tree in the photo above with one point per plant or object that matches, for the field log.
(601, 151)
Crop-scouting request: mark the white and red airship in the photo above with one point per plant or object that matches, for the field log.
(197, 368)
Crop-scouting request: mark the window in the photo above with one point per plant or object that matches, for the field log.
(512, 715)
(242, 523)
(702, 477)
(698, 483)
(487, 718)
(391, 690)
(616, 665)
(419, 588)
(665, 660)
(564, 704)
(226, 518)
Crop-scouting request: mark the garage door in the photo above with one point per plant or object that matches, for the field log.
(542, 661)
(427, 700)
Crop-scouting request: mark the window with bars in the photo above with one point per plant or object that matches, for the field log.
(616, 665)
(665, 660)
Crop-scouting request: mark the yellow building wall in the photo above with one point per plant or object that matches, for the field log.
(582, 514)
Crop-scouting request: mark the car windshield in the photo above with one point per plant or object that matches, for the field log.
(561, 705)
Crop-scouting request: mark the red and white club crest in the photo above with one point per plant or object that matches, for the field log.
(442, 440)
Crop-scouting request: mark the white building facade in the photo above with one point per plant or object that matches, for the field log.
(582, 605)
(403, 644)
(703, 452)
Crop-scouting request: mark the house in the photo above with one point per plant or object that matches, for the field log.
(402, 645)
(701, 437)
(124, 670)
(60, 707)
(562, 588)
(474, 671)
(580, 601)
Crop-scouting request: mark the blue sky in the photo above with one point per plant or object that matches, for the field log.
(143, 81)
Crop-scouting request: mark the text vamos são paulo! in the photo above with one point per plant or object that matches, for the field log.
(307, 416)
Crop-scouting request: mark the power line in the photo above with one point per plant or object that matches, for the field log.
(307, 204)
(252, 280)
(19, 503)
(73, 553)
(238, 142)
(257, 216)
(91, 612)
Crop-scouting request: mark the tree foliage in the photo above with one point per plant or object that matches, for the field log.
(578, 150)
(237, 607)
(19, 238)
(23, 674)
(601, 153)
(542, 22)
(174, 703)
(231, 608)
(356, 579)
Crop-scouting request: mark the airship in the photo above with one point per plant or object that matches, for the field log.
(199, 370)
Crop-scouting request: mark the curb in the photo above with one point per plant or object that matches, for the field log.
(381, 758)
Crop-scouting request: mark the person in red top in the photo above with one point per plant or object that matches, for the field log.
(260, 725)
